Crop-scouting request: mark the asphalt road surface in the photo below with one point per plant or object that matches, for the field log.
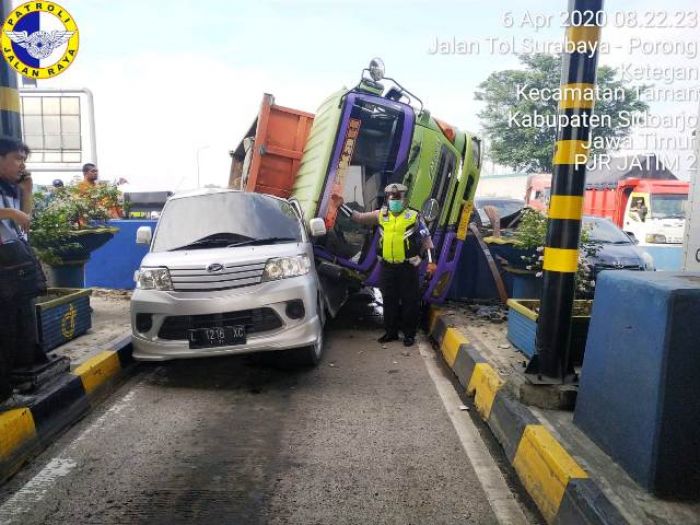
(372, 435)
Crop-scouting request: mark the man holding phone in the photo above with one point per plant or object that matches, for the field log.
(17, 328)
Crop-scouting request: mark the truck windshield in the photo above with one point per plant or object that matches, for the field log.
(371, 168)
(668, 206)
(224, 219)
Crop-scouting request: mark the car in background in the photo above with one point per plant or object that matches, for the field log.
(614, 249)
(228, 272)
(505, 206)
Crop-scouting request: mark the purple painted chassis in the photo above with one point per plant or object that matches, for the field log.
(370, 266)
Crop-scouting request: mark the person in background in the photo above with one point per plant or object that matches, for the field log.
(90, 175)
(404, 240)
(90, 181)
(18, 345)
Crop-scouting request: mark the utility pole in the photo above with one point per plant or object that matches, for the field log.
(553, 363)
(10, 121)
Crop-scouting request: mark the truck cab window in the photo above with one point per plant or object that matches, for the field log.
(372, 167)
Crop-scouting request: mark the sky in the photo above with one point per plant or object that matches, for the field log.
(176, 83)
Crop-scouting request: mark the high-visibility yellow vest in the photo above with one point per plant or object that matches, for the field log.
(398, 235)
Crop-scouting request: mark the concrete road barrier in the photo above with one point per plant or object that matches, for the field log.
(559, 486)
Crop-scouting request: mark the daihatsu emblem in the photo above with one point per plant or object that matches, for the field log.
(215, 267)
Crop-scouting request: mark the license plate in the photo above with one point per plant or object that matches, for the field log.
(213, 337)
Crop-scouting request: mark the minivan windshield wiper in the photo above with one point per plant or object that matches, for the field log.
(217, 239)
(266, 240)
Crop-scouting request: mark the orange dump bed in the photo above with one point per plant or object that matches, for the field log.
(268, 157)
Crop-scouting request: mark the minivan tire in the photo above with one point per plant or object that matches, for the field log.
(306, 356)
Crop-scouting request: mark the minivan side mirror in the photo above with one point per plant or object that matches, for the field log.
(317, 227)
(144, 235)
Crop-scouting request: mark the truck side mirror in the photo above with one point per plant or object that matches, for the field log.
(317, 227)
(144, 235)
(431, 210)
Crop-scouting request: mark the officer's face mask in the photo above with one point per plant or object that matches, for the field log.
(396, 205)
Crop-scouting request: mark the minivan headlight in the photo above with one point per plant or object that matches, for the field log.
(284, 267)
(153, 279)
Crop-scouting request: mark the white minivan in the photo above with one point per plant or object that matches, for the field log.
(228, 272)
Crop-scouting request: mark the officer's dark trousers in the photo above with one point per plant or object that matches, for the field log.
(17, 338)
(401, 293)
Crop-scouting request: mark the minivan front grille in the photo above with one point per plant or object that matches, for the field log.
(198, 279)
(255, 321)
(600, 267)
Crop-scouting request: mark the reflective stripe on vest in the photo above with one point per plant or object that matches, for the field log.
(395, 230)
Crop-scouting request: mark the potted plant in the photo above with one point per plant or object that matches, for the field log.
(523, 313)
(69, 223)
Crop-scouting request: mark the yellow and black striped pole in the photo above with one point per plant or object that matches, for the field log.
(578, 79)
(10, 121)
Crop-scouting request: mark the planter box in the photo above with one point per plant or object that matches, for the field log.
(526, 285)
(63, 314)
(522, 326)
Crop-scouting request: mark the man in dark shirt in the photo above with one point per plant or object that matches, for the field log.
(17, 327)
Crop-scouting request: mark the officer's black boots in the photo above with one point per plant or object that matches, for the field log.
(409, 341)
(388, 338)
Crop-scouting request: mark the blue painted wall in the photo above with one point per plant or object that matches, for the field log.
(113, 265)
(666, 258)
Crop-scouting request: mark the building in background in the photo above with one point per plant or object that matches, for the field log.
(58, 125)
(511, 185)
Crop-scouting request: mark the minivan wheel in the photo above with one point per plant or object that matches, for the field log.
(310, 355)
(305, 356)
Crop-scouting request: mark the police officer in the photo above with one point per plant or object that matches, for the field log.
(403, 240)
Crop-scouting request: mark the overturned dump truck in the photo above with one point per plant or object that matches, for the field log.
(359, 141)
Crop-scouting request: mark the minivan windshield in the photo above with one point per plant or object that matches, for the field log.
(604, 232)
(218, 220)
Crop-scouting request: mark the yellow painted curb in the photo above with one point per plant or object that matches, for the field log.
(545, 469)
(16, 428)
(484, 384)
(450, 345)
(98, 369)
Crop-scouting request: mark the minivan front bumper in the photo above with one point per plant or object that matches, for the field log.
(151, 343)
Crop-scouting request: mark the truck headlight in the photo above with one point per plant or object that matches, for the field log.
(655, 238)
(284, 267)
(153, 279)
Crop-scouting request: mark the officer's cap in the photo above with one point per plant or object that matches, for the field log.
(395, 190)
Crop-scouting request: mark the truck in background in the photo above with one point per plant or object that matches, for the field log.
(641, 197)
(359, 141)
